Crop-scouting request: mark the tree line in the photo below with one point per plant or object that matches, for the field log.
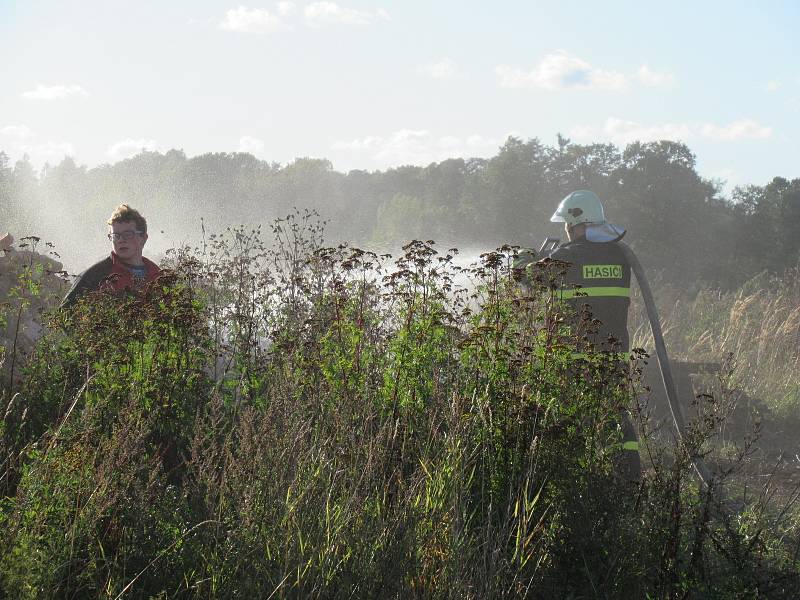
(684, 227)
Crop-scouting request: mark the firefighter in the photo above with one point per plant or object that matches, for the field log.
(597, 281)
(599, 275)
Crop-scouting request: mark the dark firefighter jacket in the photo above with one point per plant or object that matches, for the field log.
(599, 277)
(110, 274)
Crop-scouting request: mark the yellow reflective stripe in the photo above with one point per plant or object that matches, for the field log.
(617, 355)
(612, 292)
(631, 445)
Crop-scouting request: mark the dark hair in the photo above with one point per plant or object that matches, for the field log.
(125, 214)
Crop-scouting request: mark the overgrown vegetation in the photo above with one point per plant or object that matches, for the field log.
(280, 419)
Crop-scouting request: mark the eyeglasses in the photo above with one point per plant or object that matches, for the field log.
(125, 235)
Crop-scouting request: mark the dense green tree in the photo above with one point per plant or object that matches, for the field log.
(668, 208)
(516, 179)
(25, 197)
(755, 225)
(411, 218)
(786, 196)
(573, 167)
(62, 188)
(5, 190)
(361, 197)
(684, 230)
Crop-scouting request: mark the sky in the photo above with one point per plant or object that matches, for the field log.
(372, 85)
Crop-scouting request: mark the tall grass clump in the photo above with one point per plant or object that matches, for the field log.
(754, 332)
(279, 419)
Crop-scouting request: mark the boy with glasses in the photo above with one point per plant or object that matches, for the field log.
(126, 268)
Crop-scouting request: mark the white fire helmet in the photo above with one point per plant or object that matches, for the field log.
(583, 206)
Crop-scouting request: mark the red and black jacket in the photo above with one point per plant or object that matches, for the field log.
(111, 275)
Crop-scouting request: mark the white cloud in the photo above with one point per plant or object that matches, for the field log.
(330, 13)
(129, 147)
(418, 147)
(449, 142)
(743, 129)
(624, 132)
(560, 71)
(50, 149)
(773, 86)
(584, 132)
(442, 69)
(250, 144)
(621, 131)
(285, 8)
(47, 151)
(19, 132)
(18, 140)
(366, 143)
(316, 14)
(651, 78)
(54, 92)
(251, 20)
(406, 146)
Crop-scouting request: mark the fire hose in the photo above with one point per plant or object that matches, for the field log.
(675, 407)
